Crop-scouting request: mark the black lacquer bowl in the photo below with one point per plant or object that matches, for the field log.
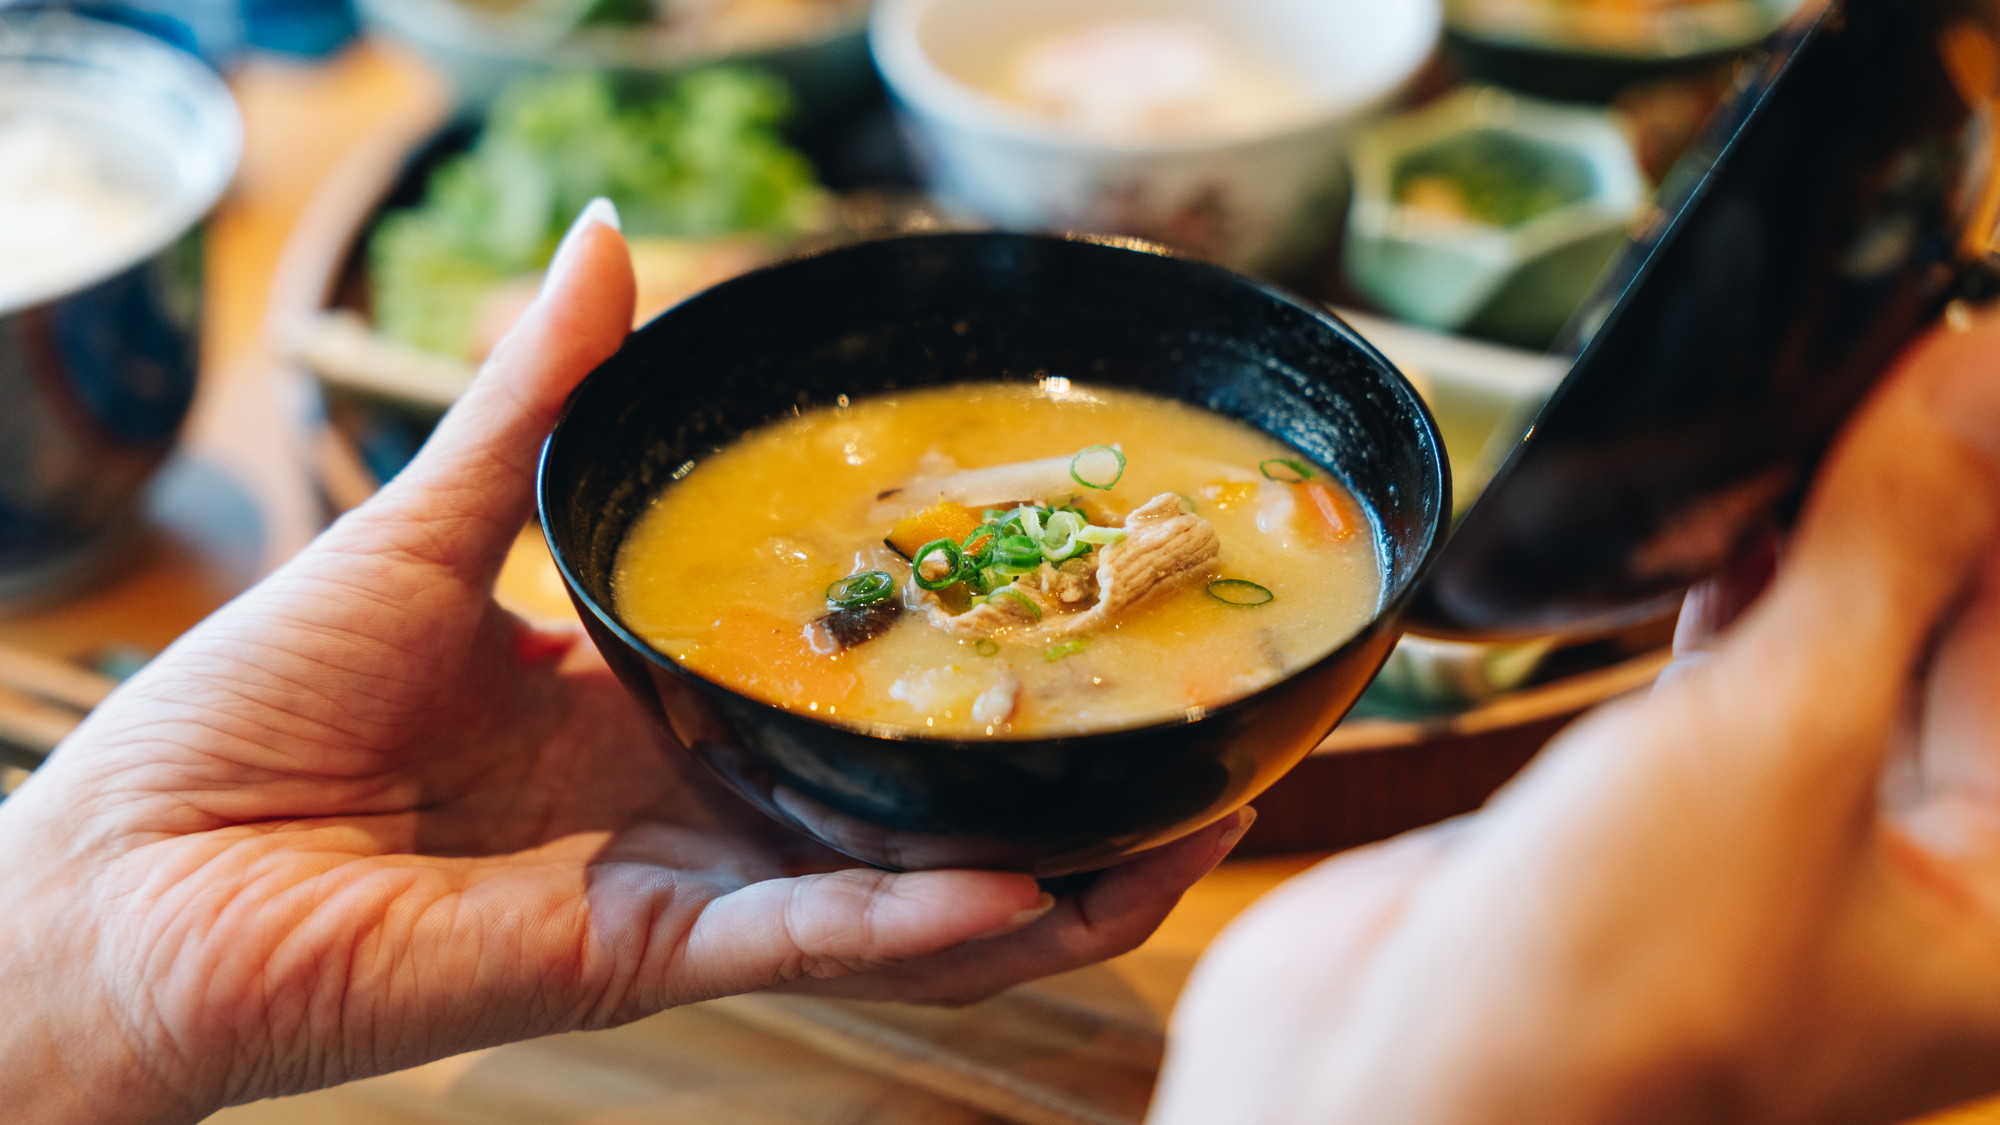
(939, 309)
(1831, 210)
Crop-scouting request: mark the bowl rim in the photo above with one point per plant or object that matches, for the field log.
(506, 37)
(1669, 37)
(55, 38)
(1392, 606)
(925, 89)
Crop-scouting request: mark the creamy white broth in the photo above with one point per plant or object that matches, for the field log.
(729, 568)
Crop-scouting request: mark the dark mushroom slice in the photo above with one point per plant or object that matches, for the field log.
(850, 628)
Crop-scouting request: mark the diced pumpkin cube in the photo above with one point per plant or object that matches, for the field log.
(943, 520)
(769, 657)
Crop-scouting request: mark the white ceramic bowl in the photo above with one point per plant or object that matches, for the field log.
(1252, 198)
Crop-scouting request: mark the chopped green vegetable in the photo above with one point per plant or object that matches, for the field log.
(857, 590)
(987, 647)
(978, 546)
(1027, 602)
(621, 13)
(1287, 471)
(1492, 177)
(1101, 536)
(1061, 649)
(1237, 592)
(703, 159)
(1097, 466)
(1017, 553)
(953, 557)
(1060, 540)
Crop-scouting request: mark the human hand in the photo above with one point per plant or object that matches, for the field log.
(363, 817)
(1767, 892)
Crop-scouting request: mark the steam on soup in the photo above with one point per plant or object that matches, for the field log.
(1002, 560)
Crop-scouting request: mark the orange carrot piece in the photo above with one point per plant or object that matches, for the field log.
(1339, 516)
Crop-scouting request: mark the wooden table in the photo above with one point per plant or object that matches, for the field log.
(240, 498)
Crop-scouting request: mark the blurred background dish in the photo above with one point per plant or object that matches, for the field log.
(1490, 212)
(1592, 49)
(431, 265)
(113, 146)
(1214, 127)
(817, 46)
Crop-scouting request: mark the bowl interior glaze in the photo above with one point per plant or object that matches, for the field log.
(940, 309)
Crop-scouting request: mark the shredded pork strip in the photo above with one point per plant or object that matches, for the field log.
(1164, 547)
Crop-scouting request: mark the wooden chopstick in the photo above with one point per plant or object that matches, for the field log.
(30, 728)
(41, 701)
(56, 681)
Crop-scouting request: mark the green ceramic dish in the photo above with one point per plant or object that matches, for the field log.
(1489, 213)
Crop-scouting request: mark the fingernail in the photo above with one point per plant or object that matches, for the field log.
(1245, 817)
(1022, 918)
(597, 211)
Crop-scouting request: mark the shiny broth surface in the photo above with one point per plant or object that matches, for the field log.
(730, 569)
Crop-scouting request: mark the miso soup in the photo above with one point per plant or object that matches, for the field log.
(1001, 560)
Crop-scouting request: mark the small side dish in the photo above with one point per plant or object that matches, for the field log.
(1489, 213)
(1001, 560)
(706, 185)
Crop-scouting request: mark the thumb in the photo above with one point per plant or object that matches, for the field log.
(471, 488)
(1901, 520)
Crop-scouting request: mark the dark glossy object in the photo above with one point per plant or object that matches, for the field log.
(942, 309)
(95, 385)
(1573, 76)
(96, 376)
(1832, 210)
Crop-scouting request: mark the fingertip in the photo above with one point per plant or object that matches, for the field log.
(589, 293)
(479, 463)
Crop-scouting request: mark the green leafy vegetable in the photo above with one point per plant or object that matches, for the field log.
(1492, 177)
(702, 159)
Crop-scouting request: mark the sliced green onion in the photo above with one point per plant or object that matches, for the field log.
(1237, 592)
(978, 546)
(1031, 522)
(1061, 649)
(1101, 536)
(1016, 552)
(987, 647)
(1098, 466)
(857, 590)
(1286, 471)
(1027, 602)
(1059, 541)
(952, 555)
